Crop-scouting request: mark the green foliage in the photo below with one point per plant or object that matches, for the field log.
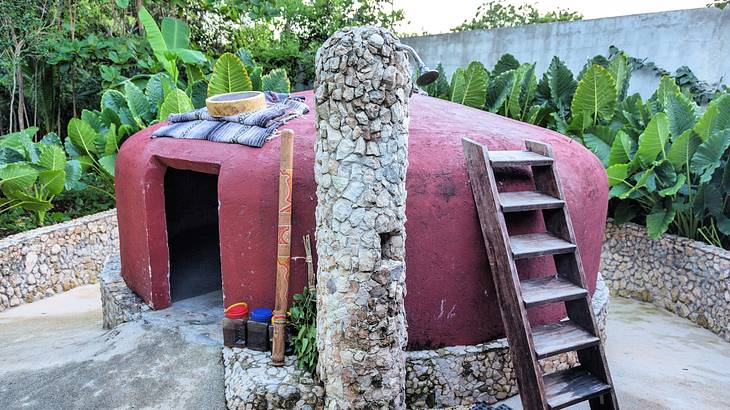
(303, 316)
(171, 44)
(499, 13)
(229, 75)
(31, 174)
(470, 85)
(668, 166)
(595, 97)
(175, 102)
(276, 80)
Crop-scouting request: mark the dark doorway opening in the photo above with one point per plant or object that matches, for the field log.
(191, 206)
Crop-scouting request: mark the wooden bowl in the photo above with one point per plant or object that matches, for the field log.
(222, 105)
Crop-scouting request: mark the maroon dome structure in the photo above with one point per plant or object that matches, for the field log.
(450, 297)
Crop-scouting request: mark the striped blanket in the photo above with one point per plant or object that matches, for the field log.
(252, 128)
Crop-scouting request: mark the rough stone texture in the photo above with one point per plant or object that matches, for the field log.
(362, 89)
(689, 278)
(53, 259)
(119, 304)
(253, 383)
(447, 377)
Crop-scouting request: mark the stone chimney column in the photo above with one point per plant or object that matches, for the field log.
(362, 88)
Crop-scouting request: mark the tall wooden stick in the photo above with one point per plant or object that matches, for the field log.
(283, 253)
(311, 281)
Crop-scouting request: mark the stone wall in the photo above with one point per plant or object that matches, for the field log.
(119, 304)
(689, 278)
(362, 91)
(53, 259)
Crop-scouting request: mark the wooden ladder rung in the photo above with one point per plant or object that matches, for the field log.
(560, 337)
(538, 244)
(511, 158)
(528, 201)
(541, 291)
(567, 387)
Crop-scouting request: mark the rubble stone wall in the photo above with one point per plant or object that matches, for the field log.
(362, 90)
(53, 259)
(689, 278)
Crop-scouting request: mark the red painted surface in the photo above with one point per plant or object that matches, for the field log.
(450, 301)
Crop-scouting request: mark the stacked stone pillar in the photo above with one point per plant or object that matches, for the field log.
(362, 88)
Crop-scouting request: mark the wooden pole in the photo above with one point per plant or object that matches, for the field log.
(283, 253)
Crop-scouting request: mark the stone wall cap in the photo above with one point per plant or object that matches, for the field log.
(667, 237)
(22, 237)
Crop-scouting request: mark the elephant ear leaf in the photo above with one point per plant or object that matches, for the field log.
(472, 92)
(498, 89)
(256, 77)
(117, 102)
(276, 80)
(52, 181)
(229, 75)
(137, 102)
(599, 140)
(51, 157)
(708, 155)
(17, 176)
(715, 118)
(654, 138)
(561, 84)
(667, 86)
(621, 149)
(595, 96)
(505, 63)
(246, 57)
(73, 176)
(658, 221)
(457, 85)
(175, 102)
(621, 71)
(681, 113)
(83, 136)
(683, 148)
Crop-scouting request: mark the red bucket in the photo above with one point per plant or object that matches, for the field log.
(236, 310)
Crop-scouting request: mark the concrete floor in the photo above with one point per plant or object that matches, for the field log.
(55, 355)
(661, 361)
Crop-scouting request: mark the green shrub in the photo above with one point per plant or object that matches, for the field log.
(303, 316)
(667, 158)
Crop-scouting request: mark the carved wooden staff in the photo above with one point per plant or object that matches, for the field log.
(283, 253)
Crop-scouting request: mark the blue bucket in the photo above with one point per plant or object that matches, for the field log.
(262, 315)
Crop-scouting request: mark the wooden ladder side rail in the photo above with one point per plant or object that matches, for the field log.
(504, 273)
(580, 311)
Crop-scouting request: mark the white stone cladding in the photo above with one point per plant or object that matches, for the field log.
(362, 89)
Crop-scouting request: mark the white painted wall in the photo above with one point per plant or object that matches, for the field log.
(697, 38)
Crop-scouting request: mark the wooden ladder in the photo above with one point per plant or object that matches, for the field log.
(590, 380)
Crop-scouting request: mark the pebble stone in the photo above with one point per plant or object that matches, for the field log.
(43, 262)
